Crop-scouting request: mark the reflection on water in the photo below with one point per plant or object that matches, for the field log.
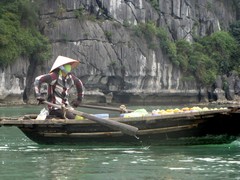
(20, 158)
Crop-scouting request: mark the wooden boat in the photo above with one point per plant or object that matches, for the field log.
(214, 126)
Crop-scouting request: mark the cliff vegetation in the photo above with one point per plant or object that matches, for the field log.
(19, 32)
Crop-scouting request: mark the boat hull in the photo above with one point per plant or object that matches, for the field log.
(186, 137)
(172, 130)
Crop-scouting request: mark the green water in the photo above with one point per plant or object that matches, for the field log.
(21, 158)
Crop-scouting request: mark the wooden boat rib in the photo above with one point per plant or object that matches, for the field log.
(161, 128)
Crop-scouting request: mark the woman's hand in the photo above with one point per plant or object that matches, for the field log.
(76, 102)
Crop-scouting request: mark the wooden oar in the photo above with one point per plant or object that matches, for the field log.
(120, 109)
(124, 128)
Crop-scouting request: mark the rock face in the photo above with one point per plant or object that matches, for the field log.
(114, 59)
(13, 81)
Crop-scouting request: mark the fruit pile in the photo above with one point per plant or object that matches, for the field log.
(143, 112)
(183, 110)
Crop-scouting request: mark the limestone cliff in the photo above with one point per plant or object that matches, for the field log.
(114, 59)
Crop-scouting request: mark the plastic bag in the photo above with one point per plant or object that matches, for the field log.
(43, 114)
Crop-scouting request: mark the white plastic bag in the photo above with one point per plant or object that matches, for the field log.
(43, 114)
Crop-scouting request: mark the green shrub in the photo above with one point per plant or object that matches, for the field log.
(19, 35)
(184, 50)
(203, 68)
(168, 46)
(221, 46)
(204, 59)
(79, 13)
(155, 4)
(108, 35)
(234, 30)
(209, 56)
(148, 30)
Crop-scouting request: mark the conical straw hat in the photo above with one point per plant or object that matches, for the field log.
(61, 60)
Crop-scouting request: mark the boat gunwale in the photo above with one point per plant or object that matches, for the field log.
(177, 116)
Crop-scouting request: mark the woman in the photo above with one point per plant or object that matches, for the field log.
(60, 80)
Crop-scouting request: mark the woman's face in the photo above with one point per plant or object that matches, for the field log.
(68, 67)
